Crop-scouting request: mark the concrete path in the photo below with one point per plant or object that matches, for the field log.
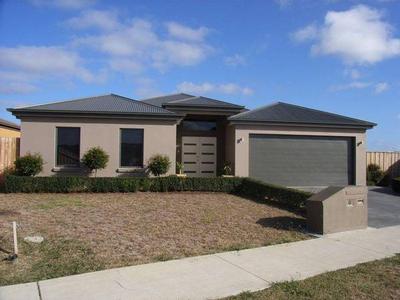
(219, 275)
(383, 207)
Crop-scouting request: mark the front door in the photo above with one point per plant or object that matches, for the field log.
(199, 156)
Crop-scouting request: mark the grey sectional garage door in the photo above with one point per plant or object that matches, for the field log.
(302, 160)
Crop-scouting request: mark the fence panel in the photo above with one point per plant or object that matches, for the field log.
(9, 151)
(388, 161)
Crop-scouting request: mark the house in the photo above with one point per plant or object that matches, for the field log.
(279, 143)
(9, 129)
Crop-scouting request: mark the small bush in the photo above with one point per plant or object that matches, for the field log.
(28, 165)
(159, 164)
(374, 174)
(396, 185)
(95, 159)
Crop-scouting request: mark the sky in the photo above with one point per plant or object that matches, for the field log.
(339, 56)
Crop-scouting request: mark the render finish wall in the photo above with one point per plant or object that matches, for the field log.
(38, 135)
(242, 133)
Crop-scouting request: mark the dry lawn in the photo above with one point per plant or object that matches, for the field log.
(87, 232)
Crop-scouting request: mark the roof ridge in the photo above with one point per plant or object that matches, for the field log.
(328, 113)
(163, 96)
(142, 103)
(199, 97)
(185, 99)
(253, 110)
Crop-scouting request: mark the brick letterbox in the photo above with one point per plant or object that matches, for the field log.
(336, 209)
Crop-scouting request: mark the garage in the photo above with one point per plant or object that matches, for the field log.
(292, 160)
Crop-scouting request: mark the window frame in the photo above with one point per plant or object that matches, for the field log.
(78, 164)
(120, 149)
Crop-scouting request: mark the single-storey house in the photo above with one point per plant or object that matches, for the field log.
(9, 129)
(279, 143)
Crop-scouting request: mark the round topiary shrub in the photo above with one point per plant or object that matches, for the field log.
(374, 174)
(28, 165)
(95, 159)
(159, 164)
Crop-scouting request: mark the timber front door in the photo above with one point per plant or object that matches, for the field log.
(199, 156)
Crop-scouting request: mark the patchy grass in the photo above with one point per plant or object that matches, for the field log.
(52, 258)
(87, 232)
(62, 201)
(375, 280)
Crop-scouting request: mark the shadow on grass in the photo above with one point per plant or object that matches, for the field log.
(284, 223)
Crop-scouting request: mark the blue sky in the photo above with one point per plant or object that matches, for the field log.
(334, 55)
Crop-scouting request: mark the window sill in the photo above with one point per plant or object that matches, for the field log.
(130, 170)
(66, 169)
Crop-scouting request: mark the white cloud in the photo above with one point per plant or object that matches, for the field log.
(102, 19)
(283, 3)
(54, 61)
(16, 87)
(68, 4)
(381, 87)
(352, 73)
(307, 33)
(183, 32)
(235, 60)
(206, 88)
(139, 43)
(22, 67)
(358, 36)
(350, 86)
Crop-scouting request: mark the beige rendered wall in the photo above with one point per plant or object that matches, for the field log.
(242, 133)
(6, 132)
(39, 135)
(230, 146)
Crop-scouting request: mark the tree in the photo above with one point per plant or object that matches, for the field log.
(159, 164)
(95, 159)
(28, 165)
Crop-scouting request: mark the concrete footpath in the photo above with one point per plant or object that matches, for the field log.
(219, 275)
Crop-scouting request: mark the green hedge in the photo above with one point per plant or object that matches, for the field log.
(396, 184)
(261, 191)
(75, 184)
(244, 187)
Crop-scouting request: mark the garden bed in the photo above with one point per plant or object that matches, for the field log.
(87, 232)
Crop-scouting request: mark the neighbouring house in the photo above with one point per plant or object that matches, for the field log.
(279, 143)
(9, 129)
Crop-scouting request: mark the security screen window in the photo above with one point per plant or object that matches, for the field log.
(68, 146)
(131, 148)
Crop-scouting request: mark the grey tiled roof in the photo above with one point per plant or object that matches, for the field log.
(189, 100)
(102, 104)
(159, 101)
(9, 124)
(281, 112)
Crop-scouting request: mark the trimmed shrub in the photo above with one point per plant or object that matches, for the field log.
(374, 174)
(245, 187)
(28, 165)
(396, 185)
(19, 184)
(95, 159)
(159, 164)
(260, 191)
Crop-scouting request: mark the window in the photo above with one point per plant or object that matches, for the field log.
(199, 126)
(131, 148)
(68, 146)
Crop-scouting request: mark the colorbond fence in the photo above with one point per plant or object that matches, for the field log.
(388, 161)
(9, 151)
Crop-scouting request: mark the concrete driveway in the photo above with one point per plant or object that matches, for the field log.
(383, 207)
